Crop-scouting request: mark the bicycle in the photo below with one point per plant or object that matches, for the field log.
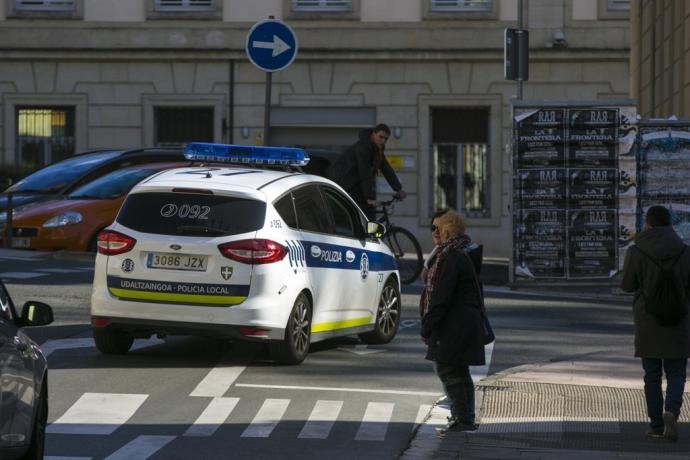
(403, 244)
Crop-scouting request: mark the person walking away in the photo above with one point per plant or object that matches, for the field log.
(657, 270)
(355, 170)
(452, 325)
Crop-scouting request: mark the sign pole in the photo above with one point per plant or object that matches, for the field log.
(520, 29)
(271, 46)
(267, 109)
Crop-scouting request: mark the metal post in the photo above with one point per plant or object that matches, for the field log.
(267, 109)
(520, 8)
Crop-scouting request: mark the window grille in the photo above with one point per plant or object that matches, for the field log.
(45, 5)
(44, 135)
(618, 5)
(461, 5)
(460, 160)
(184, 5)
(319, 6)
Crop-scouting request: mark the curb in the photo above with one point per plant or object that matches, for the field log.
(569, 295)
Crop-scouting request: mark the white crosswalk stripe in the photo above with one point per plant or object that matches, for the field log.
(212, 417)
(267, 418)
(375, 422)
(97, 413)
(217, 381)
(140, 448)
(321, 420)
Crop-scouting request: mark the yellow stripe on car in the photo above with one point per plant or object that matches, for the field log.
(333, 325)
(178, 298)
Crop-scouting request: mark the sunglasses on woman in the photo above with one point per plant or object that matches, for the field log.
(434, 227)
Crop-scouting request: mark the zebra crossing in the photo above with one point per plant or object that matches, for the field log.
(13, 264)
(104, 413)
(101, 415)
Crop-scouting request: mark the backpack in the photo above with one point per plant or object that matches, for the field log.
(666, 301)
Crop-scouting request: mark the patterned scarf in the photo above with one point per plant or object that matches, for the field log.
(458, 243)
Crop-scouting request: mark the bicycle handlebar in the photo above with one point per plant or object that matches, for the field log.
(389, 202)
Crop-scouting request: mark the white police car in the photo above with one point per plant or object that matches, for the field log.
(243, 252)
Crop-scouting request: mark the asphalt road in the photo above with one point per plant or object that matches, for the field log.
(198, 398)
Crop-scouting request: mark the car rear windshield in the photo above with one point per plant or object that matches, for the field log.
(55, 177)
(187, 214)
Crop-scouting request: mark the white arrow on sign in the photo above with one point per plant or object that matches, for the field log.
(360, 350)
(277, 45)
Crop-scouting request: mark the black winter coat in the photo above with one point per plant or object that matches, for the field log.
(355, 169)
(639, 275)
(453, 326)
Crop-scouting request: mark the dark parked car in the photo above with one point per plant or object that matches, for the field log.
(23, 380)
(57, 180)
(319, 161)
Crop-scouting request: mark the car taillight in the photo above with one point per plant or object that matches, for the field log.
(112, 243)
(253, 251)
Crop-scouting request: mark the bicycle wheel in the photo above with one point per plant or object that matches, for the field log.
(407, 252)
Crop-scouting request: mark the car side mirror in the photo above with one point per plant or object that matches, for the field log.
(36, 314)
(375, 229)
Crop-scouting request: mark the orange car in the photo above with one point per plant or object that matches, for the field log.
(73, 223)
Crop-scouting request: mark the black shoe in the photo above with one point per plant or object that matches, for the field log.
(670, 427)
(657, 434)
(455, 424)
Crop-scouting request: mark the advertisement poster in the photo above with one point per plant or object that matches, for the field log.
(664, 157)
(592, 137)
(576, 169)
(592, 243)
(541, 188)
(540, 135)
(541, 236)
(592, 188)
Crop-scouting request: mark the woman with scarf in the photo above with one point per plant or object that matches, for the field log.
(452, 324)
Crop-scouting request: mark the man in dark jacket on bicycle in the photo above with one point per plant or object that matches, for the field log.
(356, 169)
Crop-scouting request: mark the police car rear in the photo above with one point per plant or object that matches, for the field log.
(203, 251)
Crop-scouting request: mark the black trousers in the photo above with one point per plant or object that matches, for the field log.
(459, 388)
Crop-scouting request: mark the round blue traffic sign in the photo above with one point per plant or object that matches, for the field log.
(271, 45)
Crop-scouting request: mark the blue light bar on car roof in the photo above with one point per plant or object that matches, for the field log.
(245, 154)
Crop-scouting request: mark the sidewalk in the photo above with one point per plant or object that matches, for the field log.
(589, 408)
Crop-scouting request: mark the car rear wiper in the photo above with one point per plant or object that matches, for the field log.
(201, 229)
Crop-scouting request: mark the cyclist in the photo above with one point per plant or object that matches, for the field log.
(356, 169)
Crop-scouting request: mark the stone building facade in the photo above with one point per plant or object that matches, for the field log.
(660, 57)
(78, 75)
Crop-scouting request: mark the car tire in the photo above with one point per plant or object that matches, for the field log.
(112, 341)
(38, 432)
(387, 316)
(295, 346)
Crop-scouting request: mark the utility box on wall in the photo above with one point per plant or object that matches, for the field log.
(574, 188)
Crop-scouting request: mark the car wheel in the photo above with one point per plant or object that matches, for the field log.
(295, 346)
(38, 434)
(112, 341)
(387, 316)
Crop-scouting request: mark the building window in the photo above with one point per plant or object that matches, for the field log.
(460, 155)
(461, 5)
(321, 6)
(45, 5)
(45, 135)
(176, 126)
(618, 5)
(184, 5)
